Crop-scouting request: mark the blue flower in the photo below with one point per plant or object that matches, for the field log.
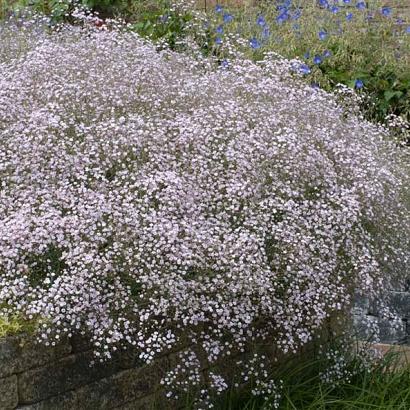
(266, 32)
(164, 18)
(323, 3)
(361, 5)
(322, 35)
(408, 30)
(334, 9)
(218, 41)
(304, 69)
(317, 59)
(296, 15)
(220, 29)
(327, 53)
(347, 1)
(224, 64)
(218, 8)
(254, 43)
(228, 18)
(386, 11)
(260, 21)
(349, 16)
(282, 17)
(358, 84)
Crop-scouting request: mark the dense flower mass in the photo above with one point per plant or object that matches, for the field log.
(147, 197)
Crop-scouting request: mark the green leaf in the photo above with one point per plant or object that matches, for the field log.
(389, 94)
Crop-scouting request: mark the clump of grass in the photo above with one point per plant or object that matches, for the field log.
(385, 385)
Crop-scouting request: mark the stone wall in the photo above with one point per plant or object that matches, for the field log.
(390, 330)
(34, 377)
(64, 377)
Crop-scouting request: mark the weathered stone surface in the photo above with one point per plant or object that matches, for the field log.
(80, 343)
(8, 393)
(123, 387)
(390, 333)
(151, 402)
(397, 301)
(400, 302)
(22, 352)
(387, 330)
(63, 375)
(361, 305)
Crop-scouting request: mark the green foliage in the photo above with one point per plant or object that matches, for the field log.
(385, 386)
(375, 50)
(15, 324)
(58, 10)
(162, 23)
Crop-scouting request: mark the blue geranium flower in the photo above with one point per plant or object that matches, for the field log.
(304, 69)
(347, 1)
(334, 9)
(361, 5)
(317, 59)
(224, 63)
(323, 3)
(228, 18)
(260, 21)
(327, 53)
(297, 14)
(408, 30)
(386, 11)
(266, 32)
(254, 43)
(322, 35)
(218, 8)
(282, 17)
(220, 29)
(358, 84)
(218, 41)
(349, 16)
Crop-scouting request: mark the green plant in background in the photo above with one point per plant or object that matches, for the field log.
(59, 10)
(163, 22)
(383, 384)
(360, 44)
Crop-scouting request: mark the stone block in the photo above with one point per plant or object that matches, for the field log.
(361, 305)
(21, 352)
(369, 328)
(398, 302)
(392, 333)
(66, 374)
(8, 393)
(151, 402)
(123, 387)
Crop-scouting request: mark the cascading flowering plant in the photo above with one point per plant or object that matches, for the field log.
(148, 198)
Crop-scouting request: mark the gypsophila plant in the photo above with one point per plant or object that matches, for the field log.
(155, 200)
